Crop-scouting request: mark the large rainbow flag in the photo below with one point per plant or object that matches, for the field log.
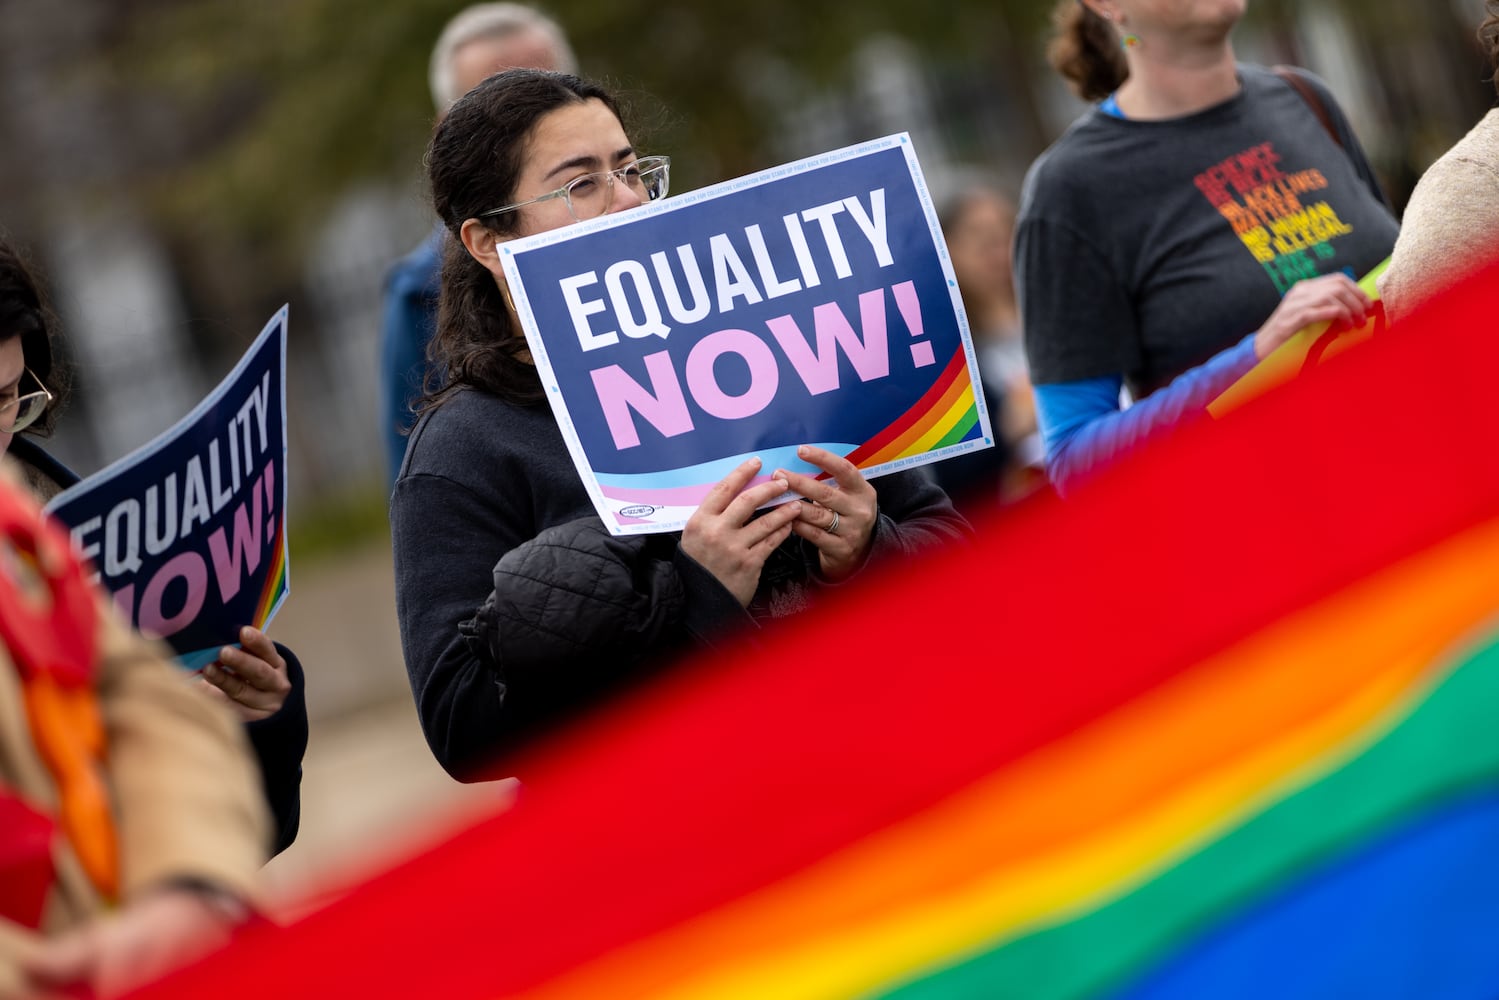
(1223, 725)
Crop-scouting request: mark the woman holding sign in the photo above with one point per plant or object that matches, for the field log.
(1183, 229)
(516, 606)
(260, 679)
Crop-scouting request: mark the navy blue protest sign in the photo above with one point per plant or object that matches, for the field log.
(811, 303)
(188, 532)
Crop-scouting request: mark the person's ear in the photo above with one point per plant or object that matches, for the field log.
(480, 241)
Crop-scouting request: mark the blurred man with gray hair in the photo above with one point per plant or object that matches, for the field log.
(489, 37)
(481, 40)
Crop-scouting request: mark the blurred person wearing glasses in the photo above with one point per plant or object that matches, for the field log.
(516, 605)
(479, 41)
(32, 387)
(259, 679)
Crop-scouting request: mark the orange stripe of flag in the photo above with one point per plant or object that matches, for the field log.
(1321, 674)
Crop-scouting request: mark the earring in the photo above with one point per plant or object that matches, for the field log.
(1129, 41)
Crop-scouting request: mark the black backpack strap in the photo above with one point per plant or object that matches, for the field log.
(1313, 100)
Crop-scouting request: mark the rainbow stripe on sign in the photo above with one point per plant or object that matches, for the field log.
(945, 415)
(276, 583)
(271, 595)
(1202, 731)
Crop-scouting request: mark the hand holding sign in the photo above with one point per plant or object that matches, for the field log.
(841, 517)
(1310, 344)
(725, 537)
(1332, 298)
(252, 676)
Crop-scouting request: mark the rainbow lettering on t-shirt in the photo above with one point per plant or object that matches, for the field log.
(1264, 205)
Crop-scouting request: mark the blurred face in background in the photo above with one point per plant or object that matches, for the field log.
(979, 240)
(477, 60)
(1202, 20)
(12, 369)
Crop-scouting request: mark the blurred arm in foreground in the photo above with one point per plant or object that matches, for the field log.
(134, 823)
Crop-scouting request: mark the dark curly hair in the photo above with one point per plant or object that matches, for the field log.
(474, 163)
(1085, 51)
(24, 313)
(1488, 38)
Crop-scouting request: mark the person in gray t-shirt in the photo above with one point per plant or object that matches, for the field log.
(1183, 229)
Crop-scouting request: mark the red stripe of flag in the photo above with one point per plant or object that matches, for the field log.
(744, 768)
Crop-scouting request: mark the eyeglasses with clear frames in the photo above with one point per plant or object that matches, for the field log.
(21, 412)
(590, 195)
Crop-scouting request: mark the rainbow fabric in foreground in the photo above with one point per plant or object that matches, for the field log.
(1222, 726)
(1306, 348)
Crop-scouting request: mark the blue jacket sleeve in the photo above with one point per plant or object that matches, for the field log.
(406, 325)
(1083, 427)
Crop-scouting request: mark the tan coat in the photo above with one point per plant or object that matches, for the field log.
(1451, 225)
(186, 790)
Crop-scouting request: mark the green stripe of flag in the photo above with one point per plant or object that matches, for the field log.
(1443, 747)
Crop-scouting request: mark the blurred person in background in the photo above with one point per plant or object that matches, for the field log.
(261, 680)
(978, 223)
(516, 605)
(478, 42)
(131, 819)
(1203, 212)
(1451, 224)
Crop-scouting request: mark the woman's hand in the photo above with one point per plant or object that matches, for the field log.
(1332, 298)
(841, 517)
(728, 540)
(251, 676)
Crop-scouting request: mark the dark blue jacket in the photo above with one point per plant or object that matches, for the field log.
(407, 321)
